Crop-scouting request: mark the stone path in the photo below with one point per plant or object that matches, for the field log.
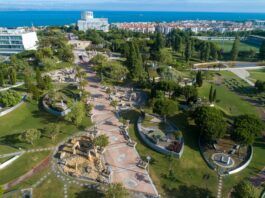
(220, 186)
(121, 157)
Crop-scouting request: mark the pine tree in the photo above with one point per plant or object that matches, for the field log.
(262, 51)
(234, 52)
(199, 79)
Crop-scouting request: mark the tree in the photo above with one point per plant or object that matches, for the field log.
(114, 103)
(262, 51)
(190, 93)
(13, 76)
(234, 52)
(134, 62)
(2, 79)
(9, 98)
(99, 60)
(47, 82)
(165, 107)
(116, 190)
(212, 95)
(30, 136)
(210, 122)
(52, 130)
(77, 114)
(101, 141)
(188, 50)
(199, 79)
(246, 129)
(243, 190)
(165, 56)
(260, 85)
(39, 79)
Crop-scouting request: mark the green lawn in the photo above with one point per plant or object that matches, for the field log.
(22, 165)
(189, 170)
(52, 187)
(229, 102)
(29, 115)
(257, 75)
(227, 46)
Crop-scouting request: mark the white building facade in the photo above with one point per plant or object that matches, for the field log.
(88, 22)
(13, 41)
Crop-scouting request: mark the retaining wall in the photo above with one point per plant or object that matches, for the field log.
(156, 147)
(54, 112)
(10, 161)
(13, 86)
(241, 167)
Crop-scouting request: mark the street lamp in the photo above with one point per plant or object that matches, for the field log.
(148, 161)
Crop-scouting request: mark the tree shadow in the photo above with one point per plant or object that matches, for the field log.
(11, 140)
(190, 131)
(184, 191)
(85, 192)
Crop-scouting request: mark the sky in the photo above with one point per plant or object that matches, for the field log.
(137, 5)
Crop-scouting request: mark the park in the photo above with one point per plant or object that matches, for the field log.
(143, 120)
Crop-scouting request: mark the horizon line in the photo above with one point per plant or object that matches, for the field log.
(96, 10)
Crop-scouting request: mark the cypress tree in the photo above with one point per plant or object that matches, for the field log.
(262, 51)
(188, 50)
(214, 95)
(199, 79)
(234, 52)
(211, 95)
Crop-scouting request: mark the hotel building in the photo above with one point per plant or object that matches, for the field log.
(13, 41)
(88, 22)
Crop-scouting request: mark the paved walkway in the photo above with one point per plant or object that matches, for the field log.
(220, 186)
(121, 157)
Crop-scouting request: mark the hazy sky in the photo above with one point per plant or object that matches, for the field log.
(161, 5)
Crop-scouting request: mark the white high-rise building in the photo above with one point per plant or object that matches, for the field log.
(13, 41)
(88, 22)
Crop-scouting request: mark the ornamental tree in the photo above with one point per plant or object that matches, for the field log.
(165, 107)
(102, 141)
(30, 136)
(77, 114)
(210, 122)
(246, 129)
(243, 190)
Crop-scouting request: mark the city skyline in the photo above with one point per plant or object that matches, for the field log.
(136, 5)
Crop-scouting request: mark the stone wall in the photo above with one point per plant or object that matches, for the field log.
(156, 147)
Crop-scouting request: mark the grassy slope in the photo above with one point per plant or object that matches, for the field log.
(30, 116)
(25, 117)
(257, 75)
(227, 46)
(229, 101)
(22, 165)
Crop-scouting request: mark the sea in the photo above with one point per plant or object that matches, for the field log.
(13, 19)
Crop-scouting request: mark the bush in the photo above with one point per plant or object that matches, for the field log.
(9, 98)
